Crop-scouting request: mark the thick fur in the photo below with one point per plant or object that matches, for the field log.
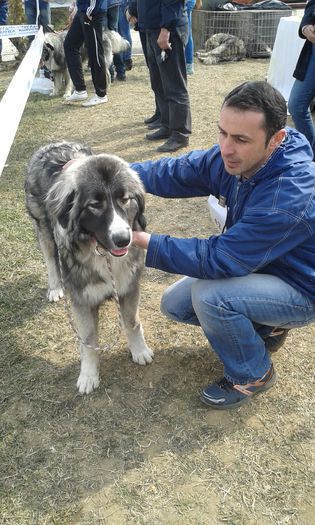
(94, 202)
(53, 56)
(222, 47)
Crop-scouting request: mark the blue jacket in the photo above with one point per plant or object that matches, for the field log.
(270, 219)
(154, 14)
(92, 7)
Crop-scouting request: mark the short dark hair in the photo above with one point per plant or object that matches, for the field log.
(261, 97)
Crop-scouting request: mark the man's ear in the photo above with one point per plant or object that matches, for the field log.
(277, 138)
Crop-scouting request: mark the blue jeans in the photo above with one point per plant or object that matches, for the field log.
(3, 18)
(301, 96)
(124, 30)
(189, 48)
(112, 23)
(230, 312)
(44, 13)
(44, 17)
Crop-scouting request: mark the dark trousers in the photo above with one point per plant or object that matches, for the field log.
(169, 83)
(89, 32)
(143, 40)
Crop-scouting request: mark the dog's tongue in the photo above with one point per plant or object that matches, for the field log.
(119, 253)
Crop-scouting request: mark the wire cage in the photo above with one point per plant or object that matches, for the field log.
(257, 28)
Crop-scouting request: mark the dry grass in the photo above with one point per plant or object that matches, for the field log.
(141, 449)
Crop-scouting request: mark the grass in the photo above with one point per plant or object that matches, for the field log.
(142, 449)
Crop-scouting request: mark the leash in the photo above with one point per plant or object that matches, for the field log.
(107, 346)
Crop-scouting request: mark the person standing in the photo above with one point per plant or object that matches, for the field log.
(87, 27)
(303, 90)
(124, 31)
(118, 65)
(4, 9)
(189, 48)
(166, 27)
(44, 17)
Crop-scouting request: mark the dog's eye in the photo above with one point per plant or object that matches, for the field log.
(95, 205)
(124, 200)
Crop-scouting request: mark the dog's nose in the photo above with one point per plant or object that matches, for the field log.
(121, 239)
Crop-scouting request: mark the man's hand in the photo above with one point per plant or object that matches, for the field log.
(131, 19)
(141, 239)
(309, 33)
(164, 39)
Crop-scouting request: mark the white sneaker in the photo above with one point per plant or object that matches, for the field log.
(93, 101)
(76, 96)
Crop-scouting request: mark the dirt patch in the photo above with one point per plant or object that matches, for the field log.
(141, 449)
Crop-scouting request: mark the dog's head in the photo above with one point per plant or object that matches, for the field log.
(53, 53)
(98, 200)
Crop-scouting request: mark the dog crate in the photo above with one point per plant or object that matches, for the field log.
(257, 28)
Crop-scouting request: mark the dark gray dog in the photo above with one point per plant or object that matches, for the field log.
(85, 206)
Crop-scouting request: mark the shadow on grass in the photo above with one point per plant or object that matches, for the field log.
(59, 447)
(20, 300)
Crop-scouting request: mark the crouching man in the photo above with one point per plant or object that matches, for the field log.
(248, 286)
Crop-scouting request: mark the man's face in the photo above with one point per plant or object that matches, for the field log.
(242, 140)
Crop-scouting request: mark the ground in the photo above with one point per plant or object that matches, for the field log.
(142, 449)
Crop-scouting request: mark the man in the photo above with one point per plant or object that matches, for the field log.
(260, 272)
(44, 16)
(87, 27)
(165, 24)
(113, 8)
(4, 9)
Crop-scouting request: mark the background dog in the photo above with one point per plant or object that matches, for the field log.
(83, 204)
(53, 56)
(222, 47)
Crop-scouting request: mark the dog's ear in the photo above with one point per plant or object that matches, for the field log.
(60, 201)
(47, 29)
(64, 215)
(59, 58)
(140, 222)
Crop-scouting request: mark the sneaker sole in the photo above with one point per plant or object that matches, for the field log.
(244, 401)
(75, 100)
(89, 104)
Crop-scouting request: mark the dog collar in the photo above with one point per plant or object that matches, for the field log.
(68, 164)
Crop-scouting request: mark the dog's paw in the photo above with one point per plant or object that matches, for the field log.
(143, 356)
(55, 295)
(87, 382)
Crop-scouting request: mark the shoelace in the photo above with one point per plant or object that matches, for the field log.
(224, 384)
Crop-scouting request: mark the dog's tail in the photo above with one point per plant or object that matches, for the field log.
(119, 44)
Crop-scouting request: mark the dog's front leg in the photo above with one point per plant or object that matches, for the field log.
(87, 327)
(68, 83)
(140, 352)
(49, 251)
